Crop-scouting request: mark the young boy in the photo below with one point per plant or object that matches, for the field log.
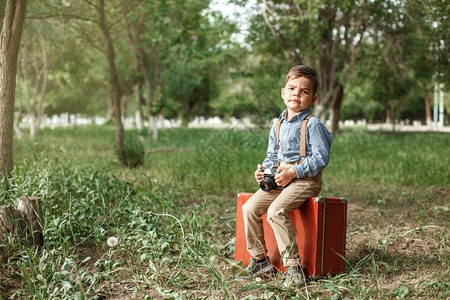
(299, 177)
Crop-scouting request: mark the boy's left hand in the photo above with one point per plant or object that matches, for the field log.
(285, 176)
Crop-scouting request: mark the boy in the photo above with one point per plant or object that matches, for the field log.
(299, 177)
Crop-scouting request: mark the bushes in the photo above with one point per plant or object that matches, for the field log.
(134, 151)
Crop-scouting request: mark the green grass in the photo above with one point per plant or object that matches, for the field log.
(418, 160)
(175, 216)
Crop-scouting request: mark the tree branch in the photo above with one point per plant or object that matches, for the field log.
(272, 31)
(126, 11)
(59, 15)
(92, 4)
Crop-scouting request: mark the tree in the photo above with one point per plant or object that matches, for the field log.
(146, 40)
(196, 60)
(323, 34)
(134, 32)
(115, 95)
(34, 73)
(399, 63)
(98, 15)
(10, 37)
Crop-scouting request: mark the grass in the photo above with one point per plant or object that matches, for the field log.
(174, 217)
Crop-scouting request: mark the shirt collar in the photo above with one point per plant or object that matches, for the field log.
(300, 116)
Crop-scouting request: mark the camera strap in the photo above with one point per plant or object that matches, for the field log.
(302, 135)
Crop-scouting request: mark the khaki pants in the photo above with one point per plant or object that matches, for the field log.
(278, 203)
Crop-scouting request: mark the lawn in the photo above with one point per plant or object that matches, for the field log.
(174, 217)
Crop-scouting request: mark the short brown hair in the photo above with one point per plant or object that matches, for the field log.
(303, 71)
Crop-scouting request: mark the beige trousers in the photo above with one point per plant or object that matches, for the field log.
(278, 203)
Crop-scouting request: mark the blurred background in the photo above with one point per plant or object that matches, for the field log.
(199, 62)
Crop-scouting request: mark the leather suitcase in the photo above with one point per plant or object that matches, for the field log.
(320, 226)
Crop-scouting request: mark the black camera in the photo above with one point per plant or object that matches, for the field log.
(268, 183)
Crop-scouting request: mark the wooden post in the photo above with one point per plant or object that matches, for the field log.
(30, 209)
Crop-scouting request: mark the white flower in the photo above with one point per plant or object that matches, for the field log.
(112, 241)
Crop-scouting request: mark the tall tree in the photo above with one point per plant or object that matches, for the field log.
(10, 37)
(145, 40)
(134, 32)
(323, 34)
(34, 63)
(100, 16)
(398, 65)
(195, 59)
(114, 85)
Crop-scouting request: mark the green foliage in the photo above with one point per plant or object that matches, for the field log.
(198, 68)
(134, 150)
(195, 60)
(387, 64)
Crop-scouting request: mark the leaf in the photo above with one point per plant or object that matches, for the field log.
(86, 260)
(164, 245)
(67, 285)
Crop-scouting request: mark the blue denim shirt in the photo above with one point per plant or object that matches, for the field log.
(318, 144)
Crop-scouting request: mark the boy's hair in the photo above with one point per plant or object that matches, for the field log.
(303, 71)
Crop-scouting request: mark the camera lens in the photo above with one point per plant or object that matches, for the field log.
(268, 184)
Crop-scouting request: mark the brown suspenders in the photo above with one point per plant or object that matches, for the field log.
(302, 135)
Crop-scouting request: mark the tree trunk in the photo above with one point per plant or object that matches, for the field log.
(134, 32)
(24, 222)
(159, 83)
(115, 95)
(320, 111)
(428, 111)
(32, 110)
(17, 130)
(137, 97)
(326, 63)
(18, 115)
(137, 92)
(33, 130)
(148, 93)
(9, 49)
(45, 68)
(36, 102)
(390, 117)
(336, 109)
(159, 86)
(154, 126)
(30, 209)
(111, 110)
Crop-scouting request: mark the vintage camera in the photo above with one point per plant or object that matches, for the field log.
(268, 183)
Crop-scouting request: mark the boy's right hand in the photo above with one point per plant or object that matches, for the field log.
(259, 175)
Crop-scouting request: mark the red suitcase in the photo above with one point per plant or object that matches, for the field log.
(320, 224)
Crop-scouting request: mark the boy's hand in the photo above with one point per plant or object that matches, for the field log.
(259, 175)
(285, 176)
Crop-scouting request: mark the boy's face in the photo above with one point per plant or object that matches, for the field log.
(298, 94)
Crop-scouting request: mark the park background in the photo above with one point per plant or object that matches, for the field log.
(142, 120)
